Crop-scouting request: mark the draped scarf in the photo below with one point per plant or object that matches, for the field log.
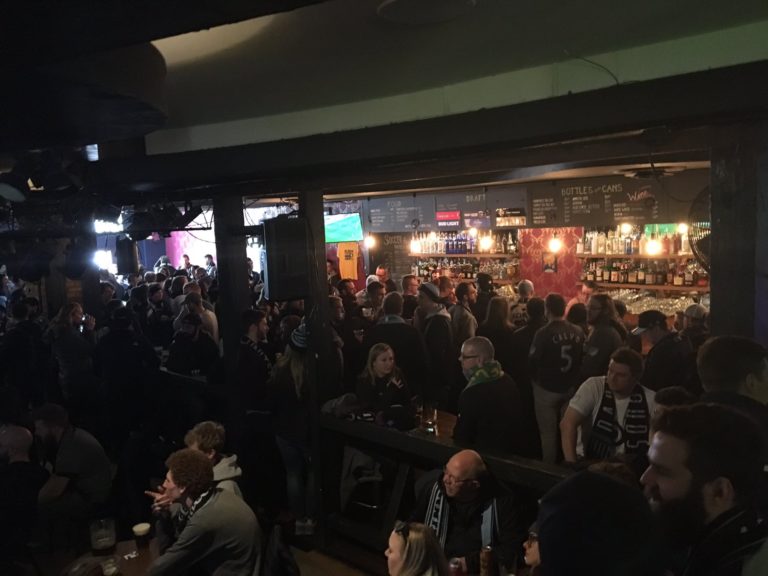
(438, 512)
(487, 372)
(607, 433)
(186, 512)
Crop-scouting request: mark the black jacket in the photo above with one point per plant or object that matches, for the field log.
(438, 339)
(464, 538)
(727, 543)
(492, 416)
(667, 363)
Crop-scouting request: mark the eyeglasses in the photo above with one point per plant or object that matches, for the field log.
(465, 357)
(449, 478)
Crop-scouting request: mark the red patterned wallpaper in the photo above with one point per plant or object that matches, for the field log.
(534, 243)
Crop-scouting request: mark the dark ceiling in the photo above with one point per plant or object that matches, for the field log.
(83, 72)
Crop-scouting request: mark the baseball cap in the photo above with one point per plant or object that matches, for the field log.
(649, 319)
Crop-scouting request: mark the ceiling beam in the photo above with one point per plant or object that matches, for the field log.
(34, 32)
(660, 116)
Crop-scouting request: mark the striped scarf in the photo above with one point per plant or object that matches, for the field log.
(438, 512)
(607, 433)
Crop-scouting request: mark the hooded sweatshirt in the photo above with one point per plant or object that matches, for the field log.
(226, 473)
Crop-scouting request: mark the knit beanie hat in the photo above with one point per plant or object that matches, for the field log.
(298, 339)
(592, 524)
(430, 290)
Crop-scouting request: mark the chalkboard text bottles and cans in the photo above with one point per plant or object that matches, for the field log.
(488, 566)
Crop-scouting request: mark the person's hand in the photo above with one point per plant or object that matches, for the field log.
(161, 500)
(89, 323)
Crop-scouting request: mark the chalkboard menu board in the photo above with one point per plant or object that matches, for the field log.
(613, 200)
(508, 205)
(392, 250)
(399, 213)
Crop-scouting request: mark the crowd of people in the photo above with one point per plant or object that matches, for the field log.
(665, 428)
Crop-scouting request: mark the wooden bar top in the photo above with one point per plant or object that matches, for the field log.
(439, 447)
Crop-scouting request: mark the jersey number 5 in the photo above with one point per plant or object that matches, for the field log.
(565, 354)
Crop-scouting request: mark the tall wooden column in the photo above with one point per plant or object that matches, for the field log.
(739, 186)
(317, 317)
(231, 271)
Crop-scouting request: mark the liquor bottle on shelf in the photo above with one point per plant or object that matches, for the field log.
(632, 275)
(688, 275)
(601, 241)
(641, 245)
(641, 274)
(670, 273)
(679, 279)
(580, 246)
(613, 268)
(666, 245)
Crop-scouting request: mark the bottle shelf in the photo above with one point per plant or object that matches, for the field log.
(481, 255)
(635, 256)
(656, 287)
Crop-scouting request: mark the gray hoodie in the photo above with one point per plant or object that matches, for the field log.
(226, 473)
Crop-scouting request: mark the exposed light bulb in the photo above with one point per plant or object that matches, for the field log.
(486, 243)
(626, 228)
(473, 232)
(682, 228)
(415, 246)
(653, 247)
(432, 236)
(369, 241)
(555, 244)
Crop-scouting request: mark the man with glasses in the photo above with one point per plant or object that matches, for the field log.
(468, 510)
(492, 415)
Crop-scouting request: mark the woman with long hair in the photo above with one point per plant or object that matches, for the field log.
(290, 407)
(414, 551)
(606, 334)
(381, 384)
(499, 330)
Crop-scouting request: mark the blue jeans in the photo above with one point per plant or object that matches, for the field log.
(550, 407)
(299, 477)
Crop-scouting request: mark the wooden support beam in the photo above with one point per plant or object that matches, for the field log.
(231, 272)
(739, 241)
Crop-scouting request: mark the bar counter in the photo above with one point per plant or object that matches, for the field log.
(409, 453)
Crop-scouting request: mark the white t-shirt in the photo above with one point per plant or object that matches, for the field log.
(587, 401)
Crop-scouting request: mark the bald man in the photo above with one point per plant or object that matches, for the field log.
(468, 510)
(20, 482)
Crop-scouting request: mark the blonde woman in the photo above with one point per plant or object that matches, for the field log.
(381, 385)
(414, 551)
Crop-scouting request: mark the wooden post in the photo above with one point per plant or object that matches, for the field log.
(321, 386)
(231, 272)
(739, 253)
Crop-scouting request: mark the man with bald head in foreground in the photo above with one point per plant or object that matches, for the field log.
(468, 510)
(20, 482)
